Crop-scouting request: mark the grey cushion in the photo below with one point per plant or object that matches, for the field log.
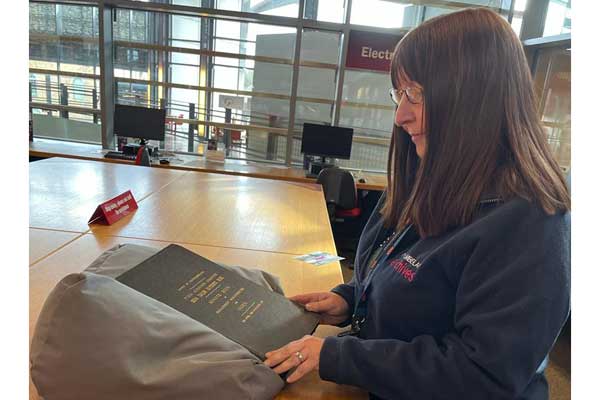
(99, 339)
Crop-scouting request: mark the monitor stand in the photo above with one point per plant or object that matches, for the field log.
(316, 165)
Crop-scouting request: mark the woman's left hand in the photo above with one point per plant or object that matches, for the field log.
(303, 353)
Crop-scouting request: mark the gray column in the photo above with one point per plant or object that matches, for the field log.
(107, 81)
(227, 131)
(48, 92)
(95, 103)
(191, 115)
(64, 100)
(163, 104)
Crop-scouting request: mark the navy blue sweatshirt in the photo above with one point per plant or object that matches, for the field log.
(469, 314)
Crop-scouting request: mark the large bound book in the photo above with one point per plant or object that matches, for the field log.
(245, 312)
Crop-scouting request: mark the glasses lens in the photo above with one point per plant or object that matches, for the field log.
(414, 95)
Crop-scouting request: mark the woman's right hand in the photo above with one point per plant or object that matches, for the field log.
(332, 307)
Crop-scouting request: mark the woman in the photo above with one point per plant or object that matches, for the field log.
(462, 272)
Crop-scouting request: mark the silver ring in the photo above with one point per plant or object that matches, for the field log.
(300, 356)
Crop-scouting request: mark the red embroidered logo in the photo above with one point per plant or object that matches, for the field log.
(404, 269)
(407, 266)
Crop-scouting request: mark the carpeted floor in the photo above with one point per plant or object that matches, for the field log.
(558, 372)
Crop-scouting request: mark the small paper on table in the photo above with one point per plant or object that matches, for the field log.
(318, 258)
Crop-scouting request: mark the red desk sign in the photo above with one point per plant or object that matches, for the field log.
(114, 209)
(371, 50)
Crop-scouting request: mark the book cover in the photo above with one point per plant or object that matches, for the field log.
(243, 311)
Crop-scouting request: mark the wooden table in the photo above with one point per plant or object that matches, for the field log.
(45, 148)
(264, 215)
(55, 253)
(63, 193)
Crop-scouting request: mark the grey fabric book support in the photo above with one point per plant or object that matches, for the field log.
(98, 339)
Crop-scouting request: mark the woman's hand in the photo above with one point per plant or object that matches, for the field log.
(332, 307)
(303, 353)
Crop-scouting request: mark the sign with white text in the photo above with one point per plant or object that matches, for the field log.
(114, 209)
(371, 50)
(233, 102)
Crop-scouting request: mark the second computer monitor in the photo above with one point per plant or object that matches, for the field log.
(326, 141)
(140, 122)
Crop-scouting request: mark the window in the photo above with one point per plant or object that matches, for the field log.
(517, 20)
(406, 14)
(558, 17)
(330, 10)
(193, 74)
(233, 80)
(64, 71)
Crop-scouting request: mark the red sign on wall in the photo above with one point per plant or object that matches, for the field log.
(371, 50)
(114, 209)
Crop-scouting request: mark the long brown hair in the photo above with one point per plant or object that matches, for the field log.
(482, 129)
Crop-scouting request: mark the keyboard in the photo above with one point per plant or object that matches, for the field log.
(117, 155)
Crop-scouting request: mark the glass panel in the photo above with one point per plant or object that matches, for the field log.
(131, 25)
(78, 56)
(432, 12)
(193, 3)
(367, 88)
(70, 126)
(366, 156)
(407, 14)
(235, 46)
(317, 83)
(319, 46)
(42, 18)
(266, 7)
(272, 78)
(329, 10)
(205, 70)
(553, 86)
(558, 18)
(64, 39)
(257, 39)
(82, 92)
(269, 7)
(77, 21)
(185, 58)
(133, 63)
(381, 13)
(268, 112)
(184, 74)
(44, 88)
(375, 122)
(367, 108)
(312, 112)
(185, 28)
(517, 20)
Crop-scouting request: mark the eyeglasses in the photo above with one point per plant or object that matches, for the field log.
(413, 94)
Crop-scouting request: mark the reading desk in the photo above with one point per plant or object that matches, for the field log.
(44, 148)
(229, 219)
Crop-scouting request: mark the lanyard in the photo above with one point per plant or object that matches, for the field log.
(360, 307)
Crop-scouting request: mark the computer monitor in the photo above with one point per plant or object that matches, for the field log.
(326, 141)
(140, 122)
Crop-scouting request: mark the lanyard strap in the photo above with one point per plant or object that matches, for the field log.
(360, 305)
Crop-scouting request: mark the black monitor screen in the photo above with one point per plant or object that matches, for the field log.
(140, 122)
(326, 141)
